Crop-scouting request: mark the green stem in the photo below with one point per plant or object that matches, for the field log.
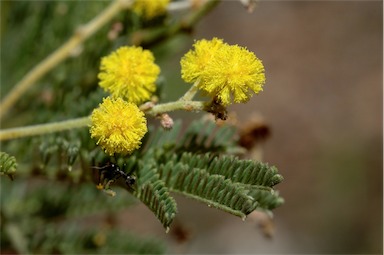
(177, 105)
(188, 96)
(43, 128)
(40, 129)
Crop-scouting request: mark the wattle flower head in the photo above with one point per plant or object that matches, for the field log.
(118, 126)
(195, 61)
(228, 73)
(130, 73)
(150, 8)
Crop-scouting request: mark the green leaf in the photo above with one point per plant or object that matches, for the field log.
(268, 199)
(155, 195)
(228, 183)
(8, 164)
(214, 190)
(242, 171)
(254, 180)
(192, 163)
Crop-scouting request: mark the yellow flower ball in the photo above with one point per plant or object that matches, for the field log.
(194, 62)
(150, 8)
(130, 73)
(228, 73)
(118, 126)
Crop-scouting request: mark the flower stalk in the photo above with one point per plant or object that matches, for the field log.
(188, 96)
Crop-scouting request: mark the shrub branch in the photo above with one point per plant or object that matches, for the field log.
(40, 129)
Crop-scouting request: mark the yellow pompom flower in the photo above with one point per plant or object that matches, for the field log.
(150, 8)
(130, 73)
(226, 72)
(195, 61)
(118, 126)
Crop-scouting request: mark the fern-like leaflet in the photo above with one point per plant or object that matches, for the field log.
(195, 163)
(8, 164)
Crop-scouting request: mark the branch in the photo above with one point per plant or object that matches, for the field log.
(188, 96)
(40, 129)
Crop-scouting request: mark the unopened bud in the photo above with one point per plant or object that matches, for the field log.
(166, 121)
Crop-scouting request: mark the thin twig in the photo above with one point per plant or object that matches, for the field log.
(41, 129)
(188, 96)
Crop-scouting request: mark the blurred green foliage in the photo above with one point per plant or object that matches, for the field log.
(52, 206)
(42, 210)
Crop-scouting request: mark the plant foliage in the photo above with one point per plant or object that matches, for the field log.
(197, 166)
(8, 164)
(54, 187)
(185, 166)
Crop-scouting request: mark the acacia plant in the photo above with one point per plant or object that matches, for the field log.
(92, 117)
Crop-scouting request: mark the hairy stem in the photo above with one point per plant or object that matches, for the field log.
(188, 96)
(177, 105)
(40, 129)
(44, 128)
(62, 53)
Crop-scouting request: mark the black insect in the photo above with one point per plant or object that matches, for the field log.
(111, 173)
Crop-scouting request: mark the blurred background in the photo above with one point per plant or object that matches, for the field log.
(322, 102)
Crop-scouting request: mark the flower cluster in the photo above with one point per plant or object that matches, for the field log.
(118, 126)
(130, 73)
(225, 72)
(150, 8)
